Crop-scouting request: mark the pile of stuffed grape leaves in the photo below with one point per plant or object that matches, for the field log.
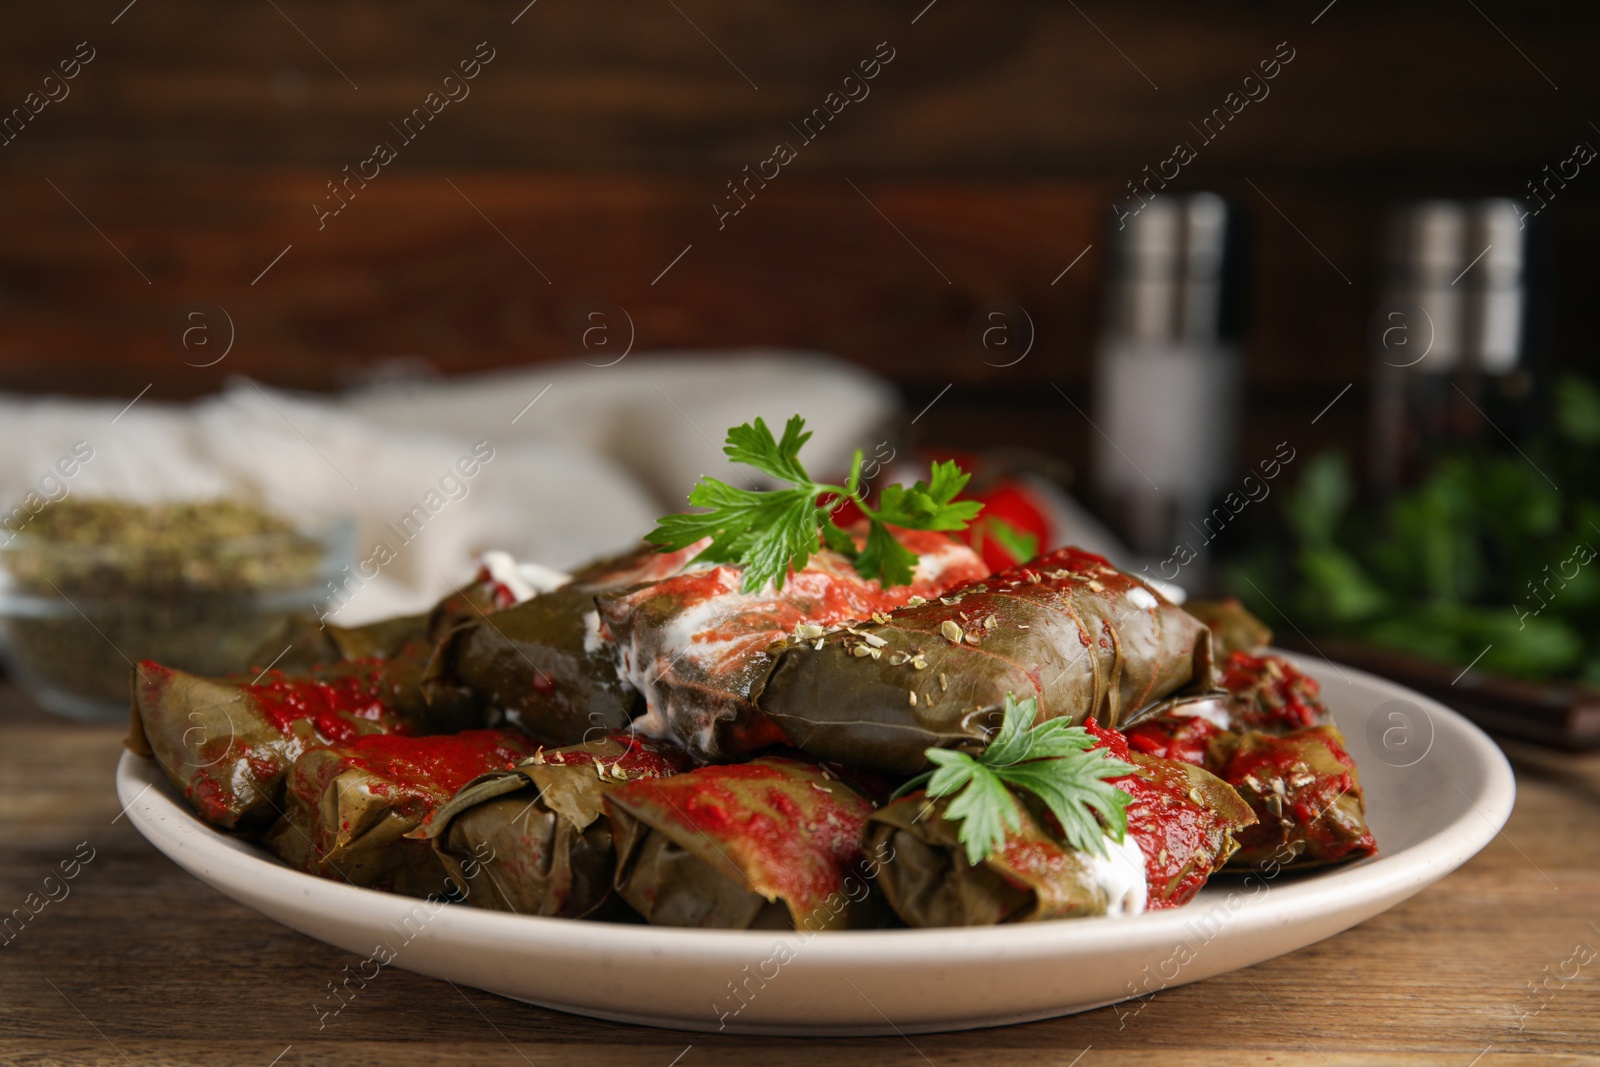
(762, 719)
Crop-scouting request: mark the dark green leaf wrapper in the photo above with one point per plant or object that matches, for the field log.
(1083, 638)
(1306, 795)
(770, 844)
(349, 808)
(536, 839)
(305, 643)
(927, 880)
(542, 663)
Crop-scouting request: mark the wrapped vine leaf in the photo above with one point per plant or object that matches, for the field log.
(696, 645)
(1187, 821)
(303, 643)
(1306, 794)
(535, 838)
(1067, 628)
(770, 844)
(228, 744)
(1262, 693)
(1233, 627)
(306, 641)
(544, 663)
(348, 807)
(1182, 823)
(928, 880)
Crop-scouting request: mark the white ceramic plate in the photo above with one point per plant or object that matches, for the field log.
(1437, 791)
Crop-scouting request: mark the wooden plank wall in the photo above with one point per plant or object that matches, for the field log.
(187, 155)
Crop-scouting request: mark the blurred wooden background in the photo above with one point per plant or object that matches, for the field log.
(592, 147)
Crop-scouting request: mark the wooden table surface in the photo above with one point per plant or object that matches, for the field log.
(141, 964)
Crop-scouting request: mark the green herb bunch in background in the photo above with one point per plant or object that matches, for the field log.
(1491, 550)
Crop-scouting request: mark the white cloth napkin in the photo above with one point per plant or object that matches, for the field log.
(582, 472)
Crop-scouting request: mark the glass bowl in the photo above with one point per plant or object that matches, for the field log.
(74, 618)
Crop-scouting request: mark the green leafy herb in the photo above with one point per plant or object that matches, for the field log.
(1020, 544)
(770, 532)
(1053, 761)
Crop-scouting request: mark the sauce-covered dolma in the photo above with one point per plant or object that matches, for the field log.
(1269, 736)
(696, 645)
(535, 838)
(1187, 821)
(306, 642)
(1067, 628)
(348, 808)
(1035, 875)
(1263, 693)
(775, 843)
(1306, 795)
(227, 744)
(1182, 826)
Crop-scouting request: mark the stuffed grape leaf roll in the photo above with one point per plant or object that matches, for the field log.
(1067, 628)
(1187, 821)
(544, 663)
(775, 843)
(308, 641)
(928, 880)
(227, 744)
(1182, 827)
(695, 645)
(1271, 694)
(535, 838)
(1305, 791)
(348, 808)
(1270, 737)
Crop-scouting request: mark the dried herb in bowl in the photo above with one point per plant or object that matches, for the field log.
(91, 586)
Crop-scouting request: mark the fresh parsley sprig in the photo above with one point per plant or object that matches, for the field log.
(1053, 761)
(770, 532)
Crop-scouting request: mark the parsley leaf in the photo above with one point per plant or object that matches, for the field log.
(772, 532)
(886, 557)
(753, 444)
(930, 505)
(1020, 544)
(1055, 762)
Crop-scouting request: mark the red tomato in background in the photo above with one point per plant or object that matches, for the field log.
(1014, 504)
(847, 514)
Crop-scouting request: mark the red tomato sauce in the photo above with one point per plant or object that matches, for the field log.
(330, 705)
(1178, 835)
(799, 849)
(1277, 693)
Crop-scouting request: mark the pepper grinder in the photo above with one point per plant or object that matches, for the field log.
(1448, 337)
(1167, 377)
